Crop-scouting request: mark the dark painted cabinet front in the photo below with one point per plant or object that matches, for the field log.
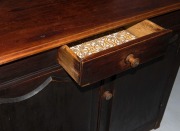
(56, 104)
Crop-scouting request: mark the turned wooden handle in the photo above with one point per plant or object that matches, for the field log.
(107, 95)
(132, 60)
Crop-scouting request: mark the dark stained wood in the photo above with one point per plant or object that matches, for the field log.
(106, 63)
(37, 94)
(105, 105)
(29, 66)
(18, 87)
(30, 27)
(60, 105)
(169, 20)
(138, 96)
(156, 77)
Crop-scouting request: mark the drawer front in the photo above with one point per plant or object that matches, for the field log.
(114, 60)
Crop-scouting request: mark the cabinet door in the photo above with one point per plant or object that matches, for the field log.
(138, 95)
(54, 104)
(137, 98)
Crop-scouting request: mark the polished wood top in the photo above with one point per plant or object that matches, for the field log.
(29, 27)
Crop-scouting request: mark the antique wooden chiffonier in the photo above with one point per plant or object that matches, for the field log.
(87, 65)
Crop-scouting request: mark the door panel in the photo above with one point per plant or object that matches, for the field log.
(138, 94)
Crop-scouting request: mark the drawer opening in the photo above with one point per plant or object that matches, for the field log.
(123, 36)
(102, 57)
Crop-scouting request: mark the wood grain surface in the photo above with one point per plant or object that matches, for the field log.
(31, 27)
(151, 42)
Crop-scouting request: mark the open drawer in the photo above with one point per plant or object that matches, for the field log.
(100, 58)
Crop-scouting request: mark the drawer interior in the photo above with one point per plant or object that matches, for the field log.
(128, 33)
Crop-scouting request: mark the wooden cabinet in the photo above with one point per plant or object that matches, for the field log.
(51, 100)
(123, 88)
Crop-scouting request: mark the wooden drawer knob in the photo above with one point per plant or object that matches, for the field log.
(132, 60)
(107, 95)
